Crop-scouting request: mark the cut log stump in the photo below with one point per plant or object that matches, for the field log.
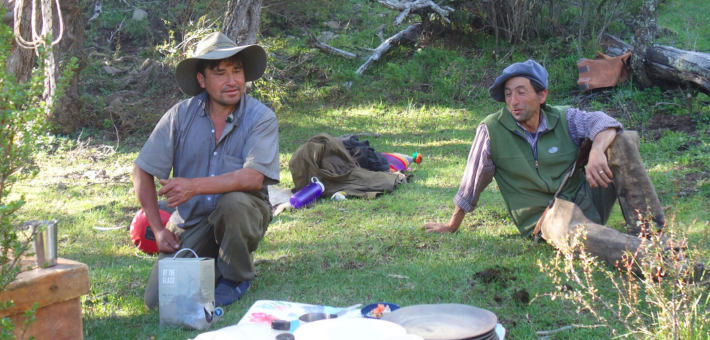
(57, 290)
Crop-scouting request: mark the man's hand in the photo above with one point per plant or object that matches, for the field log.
(166, 240)
(597, 171)
(177, 190)
(437, 228)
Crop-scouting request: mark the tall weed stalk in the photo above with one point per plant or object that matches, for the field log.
(668, 301)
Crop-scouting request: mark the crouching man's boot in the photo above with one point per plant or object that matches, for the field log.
(562, 221)
(634, 189)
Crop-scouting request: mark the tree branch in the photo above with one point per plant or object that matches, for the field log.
(327, 48)
(409, 7)
(410, 34)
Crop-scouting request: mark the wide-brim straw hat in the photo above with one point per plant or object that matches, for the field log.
(217, 46)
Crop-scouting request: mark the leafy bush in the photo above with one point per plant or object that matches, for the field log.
(24, 120)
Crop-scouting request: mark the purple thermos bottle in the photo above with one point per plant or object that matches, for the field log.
(308, 194)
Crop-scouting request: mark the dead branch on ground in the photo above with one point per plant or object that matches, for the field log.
(542, 333)
(408, 34)
(327, 48)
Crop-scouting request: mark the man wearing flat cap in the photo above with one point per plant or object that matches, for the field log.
(222, 148)
(537, 152)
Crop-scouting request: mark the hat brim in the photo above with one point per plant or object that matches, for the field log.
(254, 64)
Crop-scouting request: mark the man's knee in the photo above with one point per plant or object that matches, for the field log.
(231, 200)
(241, 202)
(243, 211)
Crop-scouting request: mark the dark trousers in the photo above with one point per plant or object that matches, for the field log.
(230, 234)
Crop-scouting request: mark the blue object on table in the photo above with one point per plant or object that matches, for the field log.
(370, 307)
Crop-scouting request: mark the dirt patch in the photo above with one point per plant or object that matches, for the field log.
(353, 265)
(522, 296)
(661, 123)
(690, 183)
(497, 274)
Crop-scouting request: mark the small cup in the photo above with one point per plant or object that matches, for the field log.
(45, 243)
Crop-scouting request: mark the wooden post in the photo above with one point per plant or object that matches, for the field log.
(57, 290)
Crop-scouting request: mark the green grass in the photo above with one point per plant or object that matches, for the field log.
(688, 24)
(429, 100)
(340, 253)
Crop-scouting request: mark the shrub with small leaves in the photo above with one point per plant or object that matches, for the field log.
(23, 121)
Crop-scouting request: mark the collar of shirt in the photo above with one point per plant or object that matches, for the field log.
(532, 138)
(238, 112)
(540, 128)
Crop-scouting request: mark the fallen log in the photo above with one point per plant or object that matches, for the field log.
(670, 64)
(665, 64)
(614, 46)
(408, 34)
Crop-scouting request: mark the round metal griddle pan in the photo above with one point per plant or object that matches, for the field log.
(445, 321)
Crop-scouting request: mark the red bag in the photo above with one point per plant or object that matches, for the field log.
(141, 233)
(605, 71)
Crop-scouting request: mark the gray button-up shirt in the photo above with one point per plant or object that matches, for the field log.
(184, 142)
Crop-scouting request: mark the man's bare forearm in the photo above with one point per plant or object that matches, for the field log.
(603, 139)
(456, 219)
(241, 180)
(144, 186)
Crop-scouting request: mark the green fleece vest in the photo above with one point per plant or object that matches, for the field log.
(528, 184)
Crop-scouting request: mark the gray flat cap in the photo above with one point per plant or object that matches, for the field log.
(529, 69)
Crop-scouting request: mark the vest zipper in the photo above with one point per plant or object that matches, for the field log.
(537, 168)
(537, 165)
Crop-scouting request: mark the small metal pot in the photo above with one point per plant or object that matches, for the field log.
(310, 317)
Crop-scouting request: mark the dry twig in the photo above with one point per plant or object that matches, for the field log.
(543, 333)
(327, 48)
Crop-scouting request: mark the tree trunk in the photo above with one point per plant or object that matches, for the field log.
(69, 106)
(241, 23)
(21, 60)
(646, 28)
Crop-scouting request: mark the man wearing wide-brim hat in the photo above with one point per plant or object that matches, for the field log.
(550, 181)
(222, 148)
